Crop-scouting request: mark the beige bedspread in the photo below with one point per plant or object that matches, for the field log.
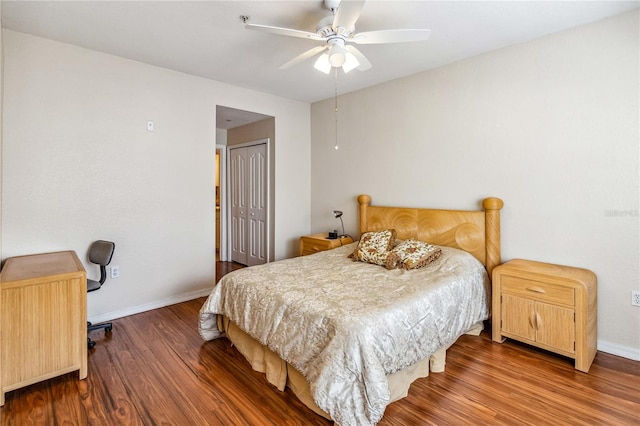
(345, 325)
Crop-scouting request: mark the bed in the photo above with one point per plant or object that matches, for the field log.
(350, 337)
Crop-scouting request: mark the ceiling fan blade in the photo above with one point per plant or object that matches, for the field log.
(306, 55)
(389, 36)
(364, 62)
(347, 14)
(285, 32)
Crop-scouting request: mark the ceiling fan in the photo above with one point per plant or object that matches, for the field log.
(337, 31)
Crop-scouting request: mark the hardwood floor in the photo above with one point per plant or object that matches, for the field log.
(155, 369)
(223, 268)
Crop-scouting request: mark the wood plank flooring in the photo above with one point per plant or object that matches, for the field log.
(155, 369)
(223, 268)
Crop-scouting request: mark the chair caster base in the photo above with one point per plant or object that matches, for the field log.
(107, 326)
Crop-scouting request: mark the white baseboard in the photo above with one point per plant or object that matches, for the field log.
(619, 350)
(132, 310)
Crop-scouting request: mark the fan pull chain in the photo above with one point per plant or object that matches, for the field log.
(335, 69)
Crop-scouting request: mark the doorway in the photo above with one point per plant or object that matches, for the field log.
(235, 128)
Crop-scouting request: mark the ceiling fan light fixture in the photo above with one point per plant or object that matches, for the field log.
(322, 63)
(337, 59)
(350, 63)
(337, 54)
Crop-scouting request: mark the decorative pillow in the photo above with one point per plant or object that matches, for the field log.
(412, 254)
(374, 247)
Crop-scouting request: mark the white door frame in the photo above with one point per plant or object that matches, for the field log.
(223, 201)
(225, 247)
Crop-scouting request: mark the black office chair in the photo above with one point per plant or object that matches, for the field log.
(100, 253)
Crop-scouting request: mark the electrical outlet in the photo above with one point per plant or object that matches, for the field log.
(635, 297)
(114, 271)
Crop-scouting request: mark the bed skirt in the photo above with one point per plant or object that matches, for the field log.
(280, 374)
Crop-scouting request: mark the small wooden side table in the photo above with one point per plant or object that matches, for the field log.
(549, 306)
(310, 244)
(43, 319)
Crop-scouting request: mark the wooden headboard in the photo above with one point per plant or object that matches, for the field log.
(477, 232)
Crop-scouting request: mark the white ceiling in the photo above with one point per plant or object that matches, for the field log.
(230, 118)
(208, 39)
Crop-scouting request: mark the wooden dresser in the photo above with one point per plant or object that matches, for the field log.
(549, 306)
(310, 244)
(43, 319)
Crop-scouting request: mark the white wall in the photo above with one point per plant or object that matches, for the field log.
(550, 126)
(79, 165)
(221, 137)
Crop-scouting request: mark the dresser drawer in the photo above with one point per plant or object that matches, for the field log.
(538, 290)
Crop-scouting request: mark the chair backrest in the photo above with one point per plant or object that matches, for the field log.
(101, 253)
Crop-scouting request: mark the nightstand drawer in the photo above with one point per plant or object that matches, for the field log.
(538, 290)
(311, 246)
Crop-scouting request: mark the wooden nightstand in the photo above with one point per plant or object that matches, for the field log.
(43, 312)
(549, 306)
(310, 244)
